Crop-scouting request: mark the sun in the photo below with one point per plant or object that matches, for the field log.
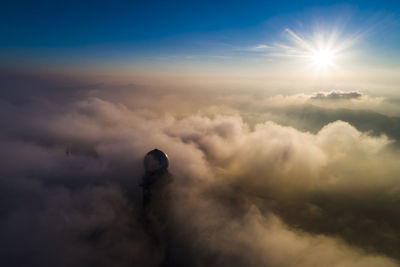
(324, 51)
(323, 58)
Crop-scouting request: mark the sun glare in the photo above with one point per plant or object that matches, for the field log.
(322, 50)
(322, 59)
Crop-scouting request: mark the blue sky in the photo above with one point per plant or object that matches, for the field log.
(132, 33)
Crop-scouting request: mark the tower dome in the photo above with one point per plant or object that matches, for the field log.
(155, 161)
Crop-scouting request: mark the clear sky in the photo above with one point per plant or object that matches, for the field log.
(223, 37)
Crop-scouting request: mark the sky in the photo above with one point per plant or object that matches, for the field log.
(195, 36)
(280, 119)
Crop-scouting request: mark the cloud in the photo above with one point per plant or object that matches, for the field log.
(311, 112)
(264, 195)
(255, 48)
(331, 99)
(261, 46)
(336, 95)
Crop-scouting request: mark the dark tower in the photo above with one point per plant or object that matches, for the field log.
(156, 200)
(157, 215)
(155, 180)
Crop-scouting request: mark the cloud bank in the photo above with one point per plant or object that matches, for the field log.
(265, 195)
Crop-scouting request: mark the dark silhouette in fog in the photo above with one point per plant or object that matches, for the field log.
(156, 201)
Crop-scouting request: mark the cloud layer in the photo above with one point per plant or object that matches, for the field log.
(242, 195)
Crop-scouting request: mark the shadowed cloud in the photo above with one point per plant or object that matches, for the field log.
(72, 166)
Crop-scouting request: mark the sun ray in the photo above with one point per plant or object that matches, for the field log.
(321, 50)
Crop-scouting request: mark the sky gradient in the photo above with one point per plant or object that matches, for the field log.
(181, 36)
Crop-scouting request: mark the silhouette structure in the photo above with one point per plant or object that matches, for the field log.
(156, 201)
(155, 181)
